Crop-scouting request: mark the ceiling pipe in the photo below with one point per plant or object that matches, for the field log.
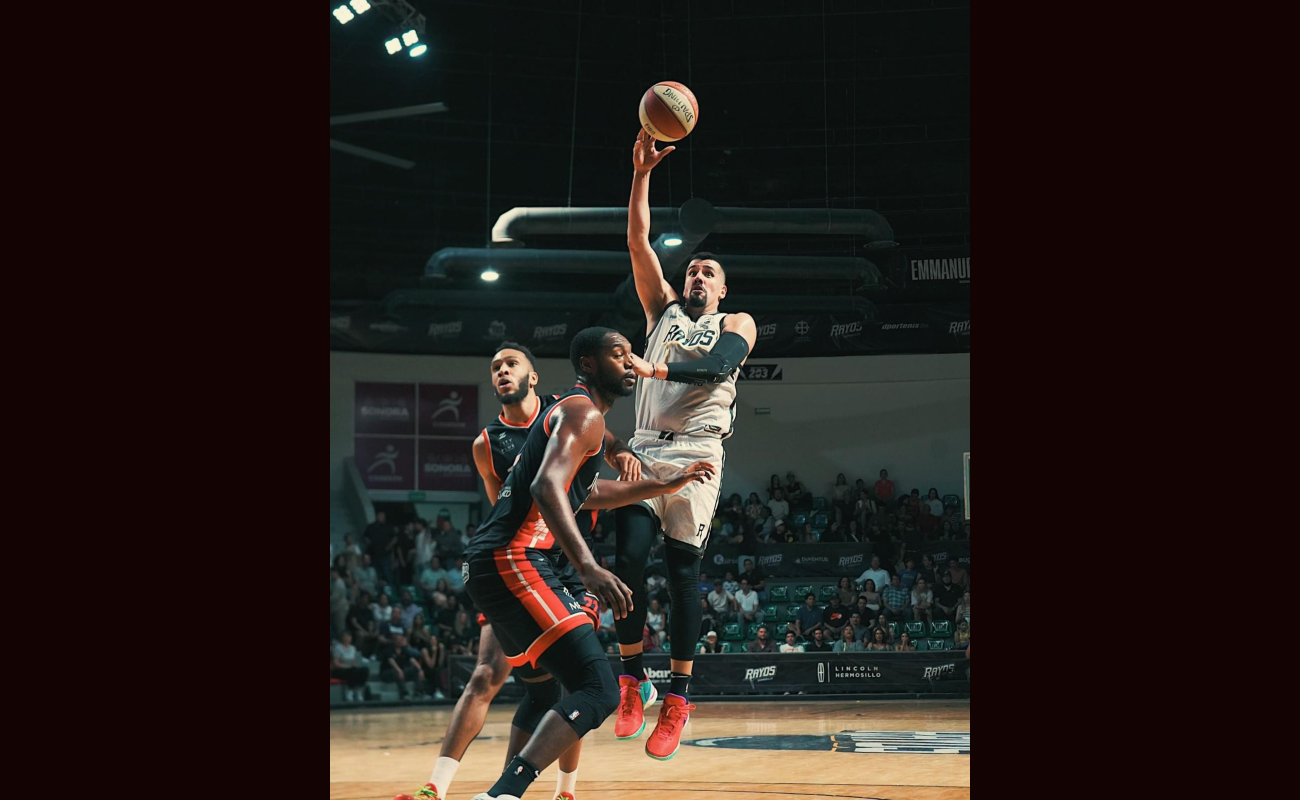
(699, 214)
(443, 263)
(600, 302)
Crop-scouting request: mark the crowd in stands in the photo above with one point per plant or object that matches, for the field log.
(398, 606)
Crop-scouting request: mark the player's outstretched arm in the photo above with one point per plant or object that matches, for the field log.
(733, 347)
(615, 494)
(483, 462)
(577, 429)
(647, 272)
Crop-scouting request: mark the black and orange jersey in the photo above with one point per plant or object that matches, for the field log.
(515, 520)
(505, 439)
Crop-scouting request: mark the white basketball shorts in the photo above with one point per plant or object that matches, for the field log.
(687, 516)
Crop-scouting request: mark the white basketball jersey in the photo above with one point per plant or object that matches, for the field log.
(682, 407)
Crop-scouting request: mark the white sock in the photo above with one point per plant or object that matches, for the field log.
(443, 771)
(566, 781)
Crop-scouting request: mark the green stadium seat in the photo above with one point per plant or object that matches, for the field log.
(821, 522)
(770, 613)
(792, 612)
(827, 591)
(952, 500)
(820, 503)
(416, 594)
(915, 629)
(801, 592)
(893, 626)
(391, 592)
(726, 647)
(751, 631)
(921, 645)
(799, 521)
(939, 644)
(731, 632)
(779, 593)
(941, 628)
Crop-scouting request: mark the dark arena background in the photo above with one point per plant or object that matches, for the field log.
(481, 157)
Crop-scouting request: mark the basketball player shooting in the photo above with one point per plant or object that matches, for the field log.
(682, 415)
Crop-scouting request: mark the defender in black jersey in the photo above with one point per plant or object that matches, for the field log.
(514, 378)
(509, 571)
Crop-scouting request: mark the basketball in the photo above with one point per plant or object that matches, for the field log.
(669, 111)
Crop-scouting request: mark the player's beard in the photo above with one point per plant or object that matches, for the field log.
(517, 396)
(697, 300)
(611, 385)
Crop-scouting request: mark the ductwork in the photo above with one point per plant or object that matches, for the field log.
(600, 302)
(696, 214)
(617, 262)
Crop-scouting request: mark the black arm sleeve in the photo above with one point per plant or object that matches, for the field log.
(725, 356)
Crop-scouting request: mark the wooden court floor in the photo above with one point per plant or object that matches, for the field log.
(764, 750)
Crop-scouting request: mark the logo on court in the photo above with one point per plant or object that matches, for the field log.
(801, 328)
(915, 742)
(497, 329)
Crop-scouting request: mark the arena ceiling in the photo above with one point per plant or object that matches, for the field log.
(802, 104)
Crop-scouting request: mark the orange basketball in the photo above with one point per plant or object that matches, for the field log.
(669, 111)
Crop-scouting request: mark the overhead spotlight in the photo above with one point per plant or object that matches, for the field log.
(359, 6)
(343, 15)
(418, 50)
(410, 37)
(672, 241)
(393, 46)
(489, 275)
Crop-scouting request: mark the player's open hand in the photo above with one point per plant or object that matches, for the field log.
(642, 368)
(644, 155)
(627, 464)
(699, 472)
(611, 591)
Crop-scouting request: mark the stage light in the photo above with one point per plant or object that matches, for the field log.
(359, 6)
(343, 15)
(410, 37)
(393, 46)
(672, 241)
(418, 50)
(489, 275)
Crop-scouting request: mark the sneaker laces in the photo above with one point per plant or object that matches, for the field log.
(674, 716)
(630, 695)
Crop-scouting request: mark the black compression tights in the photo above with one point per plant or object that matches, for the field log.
(636, 531)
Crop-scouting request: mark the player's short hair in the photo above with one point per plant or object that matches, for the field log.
(705, 254)
(587, 342)
(532, 362)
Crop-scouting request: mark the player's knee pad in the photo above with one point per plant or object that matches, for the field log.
(539, 697)
(595, 698)
(684, 596)
(635, 529)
